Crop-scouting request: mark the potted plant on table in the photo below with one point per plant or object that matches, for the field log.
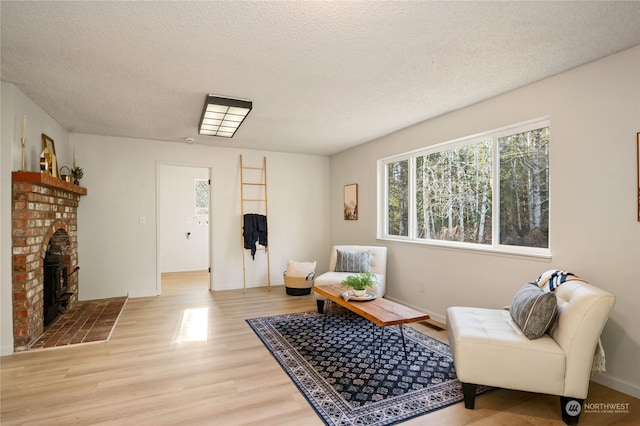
(360, 282)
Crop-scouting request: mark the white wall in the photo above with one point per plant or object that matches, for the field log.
(15, 105)
(177, 217)
(118, 254)
(595, 114)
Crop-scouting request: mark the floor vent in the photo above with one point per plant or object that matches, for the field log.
(434, 324)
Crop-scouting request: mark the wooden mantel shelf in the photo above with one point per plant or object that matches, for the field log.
(47, 180)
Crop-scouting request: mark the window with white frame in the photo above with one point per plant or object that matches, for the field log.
(484, 191)
(201, 187)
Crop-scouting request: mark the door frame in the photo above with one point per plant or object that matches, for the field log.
(159, 166)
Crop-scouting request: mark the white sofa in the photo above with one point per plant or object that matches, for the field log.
(489, 348)
(377, 265)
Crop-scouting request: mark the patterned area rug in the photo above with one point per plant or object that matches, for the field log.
(355, 373)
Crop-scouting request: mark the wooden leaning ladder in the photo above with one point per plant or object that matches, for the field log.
(260, 200)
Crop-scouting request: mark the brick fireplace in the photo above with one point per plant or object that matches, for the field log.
(44, 215)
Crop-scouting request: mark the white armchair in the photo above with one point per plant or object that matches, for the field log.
(377, 265)
(489, 348)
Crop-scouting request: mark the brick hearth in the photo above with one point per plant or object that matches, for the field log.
(44, 209)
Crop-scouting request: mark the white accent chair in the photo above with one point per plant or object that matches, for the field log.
(490, 349)
(377, 265)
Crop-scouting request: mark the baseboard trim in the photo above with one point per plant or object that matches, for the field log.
(6, 350)
(617, 384)
(437, 319)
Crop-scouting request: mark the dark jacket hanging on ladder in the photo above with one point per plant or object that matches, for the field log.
(255, 229)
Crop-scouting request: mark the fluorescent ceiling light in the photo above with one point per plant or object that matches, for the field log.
(223, 116)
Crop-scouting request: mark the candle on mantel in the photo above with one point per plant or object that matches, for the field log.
(24, 127)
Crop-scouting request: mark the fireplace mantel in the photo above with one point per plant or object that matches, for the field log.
(47, 180)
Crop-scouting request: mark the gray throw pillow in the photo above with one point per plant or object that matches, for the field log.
(352, 261)
(534, 310)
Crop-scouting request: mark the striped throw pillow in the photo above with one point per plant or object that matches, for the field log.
(534, 310)
(352, 261)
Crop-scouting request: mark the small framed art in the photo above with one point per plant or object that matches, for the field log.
(48, 159)
(351, 202)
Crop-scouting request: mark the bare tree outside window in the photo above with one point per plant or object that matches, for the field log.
(524, 189)
(398, 198)
(453, 194)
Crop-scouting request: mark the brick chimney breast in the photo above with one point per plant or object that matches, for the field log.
(44, 210)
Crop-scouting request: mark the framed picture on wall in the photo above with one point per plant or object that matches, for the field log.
(48, 159)
(351, 202)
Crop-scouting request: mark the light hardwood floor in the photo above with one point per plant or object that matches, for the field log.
(155, 371)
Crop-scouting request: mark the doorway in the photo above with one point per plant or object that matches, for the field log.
(183, 220)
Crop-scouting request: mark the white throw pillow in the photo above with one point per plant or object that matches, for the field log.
(300, 269)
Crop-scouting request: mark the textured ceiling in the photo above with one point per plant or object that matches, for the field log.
(323, 76)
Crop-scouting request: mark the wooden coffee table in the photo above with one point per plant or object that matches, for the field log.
(382, 312)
